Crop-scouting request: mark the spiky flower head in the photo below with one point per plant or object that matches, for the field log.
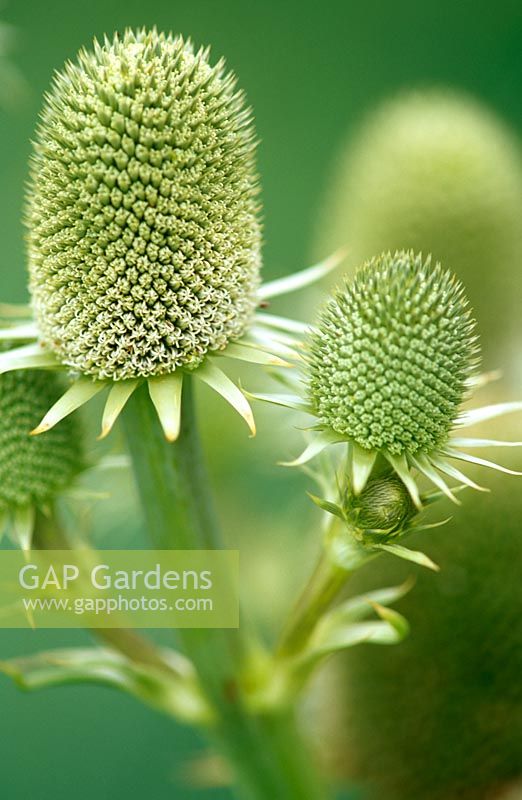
(144, 232)
(144, 238)
(391, 359)
(392, 354)
(33, 470)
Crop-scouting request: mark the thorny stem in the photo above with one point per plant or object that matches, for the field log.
(268, 758)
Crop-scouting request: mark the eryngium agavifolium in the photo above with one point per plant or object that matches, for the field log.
(144, 236)
(34, 469)
(391, 356)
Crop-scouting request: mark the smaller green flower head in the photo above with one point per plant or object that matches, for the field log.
(33, 470)
(392, 355)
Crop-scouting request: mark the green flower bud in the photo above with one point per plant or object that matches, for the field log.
(391, 356)
(436, 172)
(34, 469)
(384, 505)
(144, 237)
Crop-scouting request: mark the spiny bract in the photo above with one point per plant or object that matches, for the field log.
(392, 354)
(33, 470)
(144, 238)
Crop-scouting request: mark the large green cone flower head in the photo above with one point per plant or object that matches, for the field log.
(392, 358)
(34, 471)
(144, 232)
(143, 225)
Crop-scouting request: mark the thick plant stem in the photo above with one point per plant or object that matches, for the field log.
(265, 752)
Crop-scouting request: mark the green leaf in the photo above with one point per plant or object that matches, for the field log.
(340, 638)
(408, 555)
(397, 621)
(174, 694)
(326, 505)
(360, 607)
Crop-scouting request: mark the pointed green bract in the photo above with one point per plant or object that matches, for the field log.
(301, 279)
(279, 399)
(245, 352)
(458, 442)
(19, 332)
(23, 526)
(452, 471)
(319, 443)
(476, 415)
(217, 380)
(165, 393)
(400, 465)
(362, 462)
(81, 391)
(451, 453)
(27, 357)
(119, 393)
(425, 467)
(409, 555)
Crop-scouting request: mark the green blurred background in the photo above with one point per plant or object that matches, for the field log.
(311, 71)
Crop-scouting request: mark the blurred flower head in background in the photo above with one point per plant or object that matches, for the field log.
(437, 172)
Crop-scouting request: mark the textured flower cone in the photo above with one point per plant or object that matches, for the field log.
(389, 363)
(391, 355)
(440, 716)
(33, 470)
(143, 223)
(436, 172)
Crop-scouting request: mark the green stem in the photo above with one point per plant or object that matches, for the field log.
(341, 556)
(324, 585)
(267, 756)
